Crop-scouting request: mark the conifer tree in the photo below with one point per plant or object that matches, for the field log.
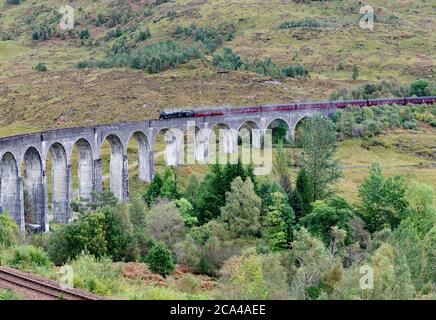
(319, 146)
(191, 189)
(282, 165)
(160, 260)
(241, 214)
(275, 226)
(169, 187)
(154, 189)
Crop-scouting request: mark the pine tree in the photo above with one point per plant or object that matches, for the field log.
(241, 214)
(154, 189)
(297, 205)
(355, 74)
(212, 191)
(282, 165)
(211, 195)
(169, 187)
(304, 188)
(191, 189)
(275, 228)
(319, 146)
(137, 211)
(160, 260)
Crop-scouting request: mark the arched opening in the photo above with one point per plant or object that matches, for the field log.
(194, 146)
(139, 160)
(298, 131)
(224, 140)
(58, 183)
(34, 192)
(82, 166)
(167, 147)
(280, 131)
(249, 131)
(10, 188)
(113, 166)
(250, 142)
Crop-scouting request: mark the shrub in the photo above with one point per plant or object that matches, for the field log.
(9, 294)
(84, 64)
(44, 31)
(306, 22)
(189, 284)
(41, 67)
(160, 260)
(294, 71)
(154, 58)
(29, 258)
(419, 88)
(84, 34)
(159, 293)
(164, 223)
(266, 67)
(210, 38)
(372, 91)
(143, 35)
(188, 253)
(228, 60)
(100, 276)
(244, 278)
(231, 61)
(371, 127)
(118, 32)
(9, 232)
(411, 125)
(355, 74)
(87, 234)
(107, 231)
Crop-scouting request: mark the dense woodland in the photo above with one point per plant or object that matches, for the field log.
(263, 237)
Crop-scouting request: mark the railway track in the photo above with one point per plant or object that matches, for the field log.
(39, 288)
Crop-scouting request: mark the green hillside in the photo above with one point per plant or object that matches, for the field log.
(108, 43)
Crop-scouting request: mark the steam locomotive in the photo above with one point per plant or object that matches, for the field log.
(219, 111)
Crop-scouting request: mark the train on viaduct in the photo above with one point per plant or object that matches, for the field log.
(23, 168)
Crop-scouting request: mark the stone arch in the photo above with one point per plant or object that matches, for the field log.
(280, 130)
(35, 192)
(10, 188)
(118, 167)
(85, 169)
(173, 140)
(60, 179)
(224, 140)
(295, 125)
(144, 155)
(194, 144)
(250, 131)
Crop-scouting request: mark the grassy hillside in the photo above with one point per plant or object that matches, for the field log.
(329, 44)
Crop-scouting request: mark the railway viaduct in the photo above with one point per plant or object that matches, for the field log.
(23, 158)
